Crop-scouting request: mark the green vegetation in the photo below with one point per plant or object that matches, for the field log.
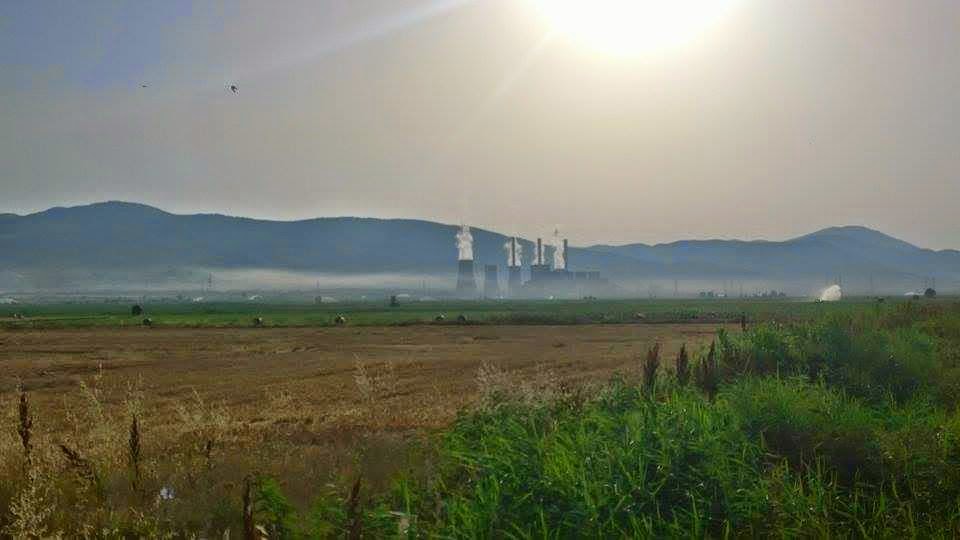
(236, 314)
(844, 426)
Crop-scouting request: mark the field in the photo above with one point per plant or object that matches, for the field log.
(821, 419)
(378, 313)
(432, 369)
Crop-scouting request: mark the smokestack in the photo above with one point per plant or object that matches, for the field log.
(513, 252)
(566, 253)
(539, 259)
(491, 281)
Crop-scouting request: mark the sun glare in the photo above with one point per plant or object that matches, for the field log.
(632, 27)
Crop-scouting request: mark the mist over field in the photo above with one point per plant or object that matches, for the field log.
(125, 246)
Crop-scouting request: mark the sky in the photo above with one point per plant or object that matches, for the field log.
(779, 119)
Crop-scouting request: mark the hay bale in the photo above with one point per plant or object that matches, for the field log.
(440, 318)
(639, 317)
(258, 322)
(136, 310)
(461, 318)
(148, 322)
(340, 320)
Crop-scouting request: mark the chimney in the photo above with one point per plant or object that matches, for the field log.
(539, 259)
(566, 255)
(466, 281)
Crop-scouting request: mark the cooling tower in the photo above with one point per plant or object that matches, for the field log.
(491, 281)
(466, 282)
(514, 281)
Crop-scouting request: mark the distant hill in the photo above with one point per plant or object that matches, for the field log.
(122, 242)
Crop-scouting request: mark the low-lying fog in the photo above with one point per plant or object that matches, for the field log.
(209, 282)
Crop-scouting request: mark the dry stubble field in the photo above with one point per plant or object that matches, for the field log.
(305, 405)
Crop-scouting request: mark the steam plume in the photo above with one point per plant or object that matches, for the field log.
(558, 262)
(514, 255)
(831, 294)
(465, 243)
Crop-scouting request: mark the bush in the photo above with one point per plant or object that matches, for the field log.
(623, 466)
(806, 423)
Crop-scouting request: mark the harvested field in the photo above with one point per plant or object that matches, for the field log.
(435, 367)
(301, 403)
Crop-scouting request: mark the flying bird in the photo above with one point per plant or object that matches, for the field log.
(235, 89)
(144, 86)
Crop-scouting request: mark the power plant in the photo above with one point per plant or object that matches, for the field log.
(547, 278)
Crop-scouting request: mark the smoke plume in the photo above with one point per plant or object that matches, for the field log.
(465, 243)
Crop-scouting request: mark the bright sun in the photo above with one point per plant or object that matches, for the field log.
(631, 27)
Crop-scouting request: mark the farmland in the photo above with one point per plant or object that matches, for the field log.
(378, 313)
(165, 430)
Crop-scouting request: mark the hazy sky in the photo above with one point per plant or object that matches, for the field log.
(782, 118)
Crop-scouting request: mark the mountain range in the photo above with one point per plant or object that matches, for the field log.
(120, 243)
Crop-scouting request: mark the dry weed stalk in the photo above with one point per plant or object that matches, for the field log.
(133, 453)
(249, 526)
(683, 366)
(82, 466)
(707, 373)
(355, 512)
(651, 364)
(26, 425)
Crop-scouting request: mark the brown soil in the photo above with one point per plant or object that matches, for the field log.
(317, 366)
(298, 405)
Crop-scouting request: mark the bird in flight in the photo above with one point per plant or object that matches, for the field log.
(144, 85)
(235, 89)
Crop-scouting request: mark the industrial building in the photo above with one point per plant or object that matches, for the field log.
(558, 281)
(547, 279)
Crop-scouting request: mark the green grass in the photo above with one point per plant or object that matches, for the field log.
(867, 446)
(235, 314)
